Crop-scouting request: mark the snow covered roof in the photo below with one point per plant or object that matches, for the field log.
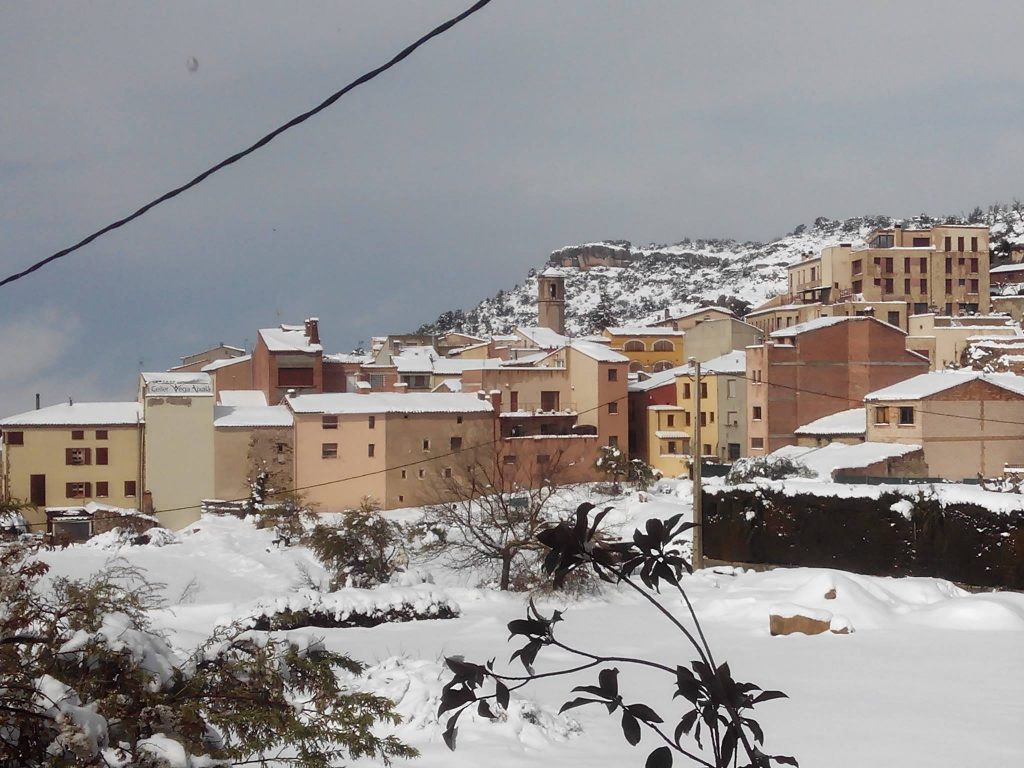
(545, 338)
(557, 272)
(251, 416)
(662, 434)
(347, 357)
(388, 402)
(415, 359)
(849, 422)
(446, 367)
(811, 325)
(643, 330)
(659, 379)
(160, 383)
(1007, 268)
(90, 508)
(598, 352)
(730, 362)
(244, 397)
(826, 461)
(450, 385)
(217, 364)
(700, 311)
(78, 415)
(288, 338)
(781, 308)
(928, 384)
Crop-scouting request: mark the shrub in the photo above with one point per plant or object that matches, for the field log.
(363, 549)
(779, 468)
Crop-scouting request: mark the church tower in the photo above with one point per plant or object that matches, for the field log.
(551, 300)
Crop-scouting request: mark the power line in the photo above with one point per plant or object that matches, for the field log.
(441, 29)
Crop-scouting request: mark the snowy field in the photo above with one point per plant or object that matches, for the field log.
(930, 676)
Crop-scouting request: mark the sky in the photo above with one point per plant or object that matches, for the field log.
(530, 126)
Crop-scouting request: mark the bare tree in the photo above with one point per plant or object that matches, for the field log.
(495, 506)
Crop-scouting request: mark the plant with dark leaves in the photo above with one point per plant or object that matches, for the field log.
(715, 727)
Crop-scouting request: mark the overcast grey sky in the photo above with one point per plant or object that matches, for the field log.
(530, 126)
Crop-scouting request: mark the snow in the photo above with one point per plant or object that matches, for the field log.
(251, 416)
(1007, 268)
(928, 384)
(543, 338)
(643, 330)
(814, 325)
(245, 397)
(288, 338)
(388, 402)
(931, 677)
(850, 422)
(216, 365)
(599, 352)
(829, 459)
(670, 435)
(78, 414)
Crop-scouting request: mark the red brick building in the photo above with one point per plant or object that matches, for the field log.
(818, 368)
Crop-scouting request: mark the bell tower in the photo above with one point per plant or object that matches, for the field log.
(551, 300)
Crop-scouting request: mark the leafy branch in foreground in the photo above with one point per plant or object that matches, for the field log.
(715, 728)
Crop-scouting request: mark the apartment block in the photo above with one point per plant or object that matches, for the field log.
(814, 369)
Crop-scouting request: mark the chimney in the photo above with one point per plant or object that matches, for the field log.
(37, 401)
(313, 330)
(363, 387)
(496, 400)
(401, 387)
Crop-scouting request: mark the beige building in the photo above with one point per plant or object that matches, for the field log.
(178, 445)
(969, 424)
(944, 268)
(250, 437)
(719, 336)
(69, 455)
(391, 447)
(943, 340)
(684, 321)
(649, 348)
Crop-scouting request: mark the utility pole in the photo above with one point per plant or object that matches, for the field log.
(696, 456)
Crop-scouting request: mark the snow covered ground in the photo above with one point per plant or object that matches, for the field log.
(930, 676)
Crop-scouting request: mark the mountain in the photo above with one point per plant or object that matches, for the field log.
(643, 281)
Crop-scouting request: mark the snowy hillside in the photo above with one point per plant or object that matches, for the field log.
(694, 273)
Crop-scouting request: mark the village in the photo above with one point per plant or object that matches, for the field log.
(890, 360)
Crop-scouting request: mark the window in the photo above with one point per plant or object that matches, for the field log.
(329, 451)
(77, 456)
(906, 285)
(857, 267)
(426, 444)
(663, 345)
(613, 408)
(949, 288)
(920, 307)
(446, 472)
(401, 497)
(613, 441)
(924, 266)
(672, 447)
(458, 419)
(711, 417)
(129, 487)
(101, 434)
(102, 490)
(707, 449)
(961, 283)
(78, 490)
(974, 245)
(974, 265)
(508, 459)
(703, 419)
(857, 286)
(295, 377)
(888, 285)
(686, 418)
(703, 389)
(948, 244)
(973, 287)
(329, 422)
(756, 413)
(924, 286)
(455, 444)
(15, 438)
(78, 434)
(894, 318)
(670, 420)
(370, 449)
(613, 374)
(543, 458)
(888, 264)
(960, 244)
(376, 380)
(549, 401)
(405, 474)
(881, 415)
(734, 451)
(513, 400)
(686, 391)
(732, 418)
(921, 242)
(371, 422)
(949, 266)
(730, 389)
(633, 345)
(101, 456)
(906, 414)
(757, 443)
(421, 473)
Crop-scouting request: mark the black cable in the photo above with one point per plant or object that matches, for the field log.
(261, 143)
